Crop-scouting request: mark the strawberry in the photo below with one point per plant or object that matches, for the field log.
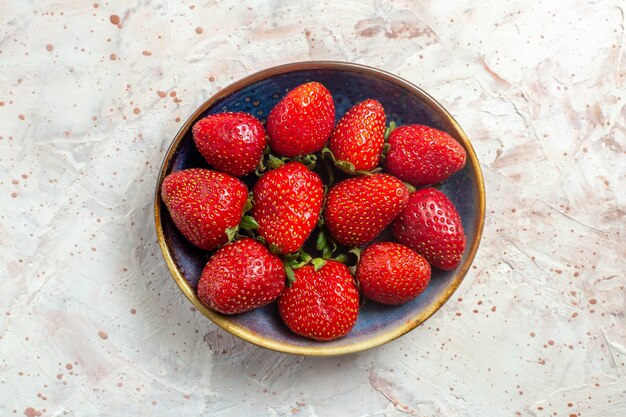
(321, 305)
(431, 226)
(391, 273)
(232, 143)
(287, 203)
(358, 209)
(241, 276)
(302, 121)
(203, 204)
(359, 136)
(421, 155)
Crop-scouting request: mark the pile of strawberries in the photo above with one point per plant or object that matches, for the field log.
(258, 239)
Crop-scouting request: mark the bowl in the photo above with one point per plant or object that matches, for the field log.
(349, 83)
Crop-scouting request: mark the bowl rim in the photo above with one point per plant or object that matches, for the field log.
(321, 349)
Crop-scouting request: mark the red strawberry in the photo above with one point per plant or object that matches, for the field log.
(287, 204)
(391, 273)
(232, 143)
(241, 276)
(203, 204)
(421, 155)
(321, 305)
(431, 226)
(360, 135)
(358, 209)
(302, 121)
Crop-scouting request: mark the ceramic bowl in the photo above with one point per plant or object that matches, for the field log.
(349, 83)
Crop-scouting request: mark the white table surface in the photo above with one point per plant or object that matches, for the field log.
(91, 323)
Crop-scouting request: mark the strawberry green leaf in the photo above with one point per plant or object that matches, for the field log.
(248, 223)
(391, 128)
(308, 160)
(305, 257)
(318, 263)
(346, 166)
(262, 165)
(296, 264)
(275, 250)
(327, 253)
(291, 256)
(261, 239)
(291, 277)
(231, 232)
(343, 258)
(383, 155)
(321, 241)
(275, 162)
(248, 204)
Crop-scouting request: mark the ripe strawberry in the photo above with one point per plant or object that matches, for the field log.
(421, 155)
(302, 121)
(431, 226)
(391, 273)
(358, 209)
(360, 135)
(203, 204)
(232, 143)
(287, 204)
(321, 305)
(241, 276)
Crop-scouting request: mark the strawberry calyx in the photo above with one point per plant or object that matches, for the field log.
(297, 260)
(270, 162)
(389, 129)
(328, 247)
(387, 146)
(247, 223)
(345, 166)
(325, 245)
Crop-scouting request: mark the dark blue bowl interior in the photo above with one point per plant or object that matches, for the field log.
(348, 87)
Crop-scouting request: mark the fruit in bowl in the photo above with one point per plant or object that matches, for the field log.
(288, 190)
